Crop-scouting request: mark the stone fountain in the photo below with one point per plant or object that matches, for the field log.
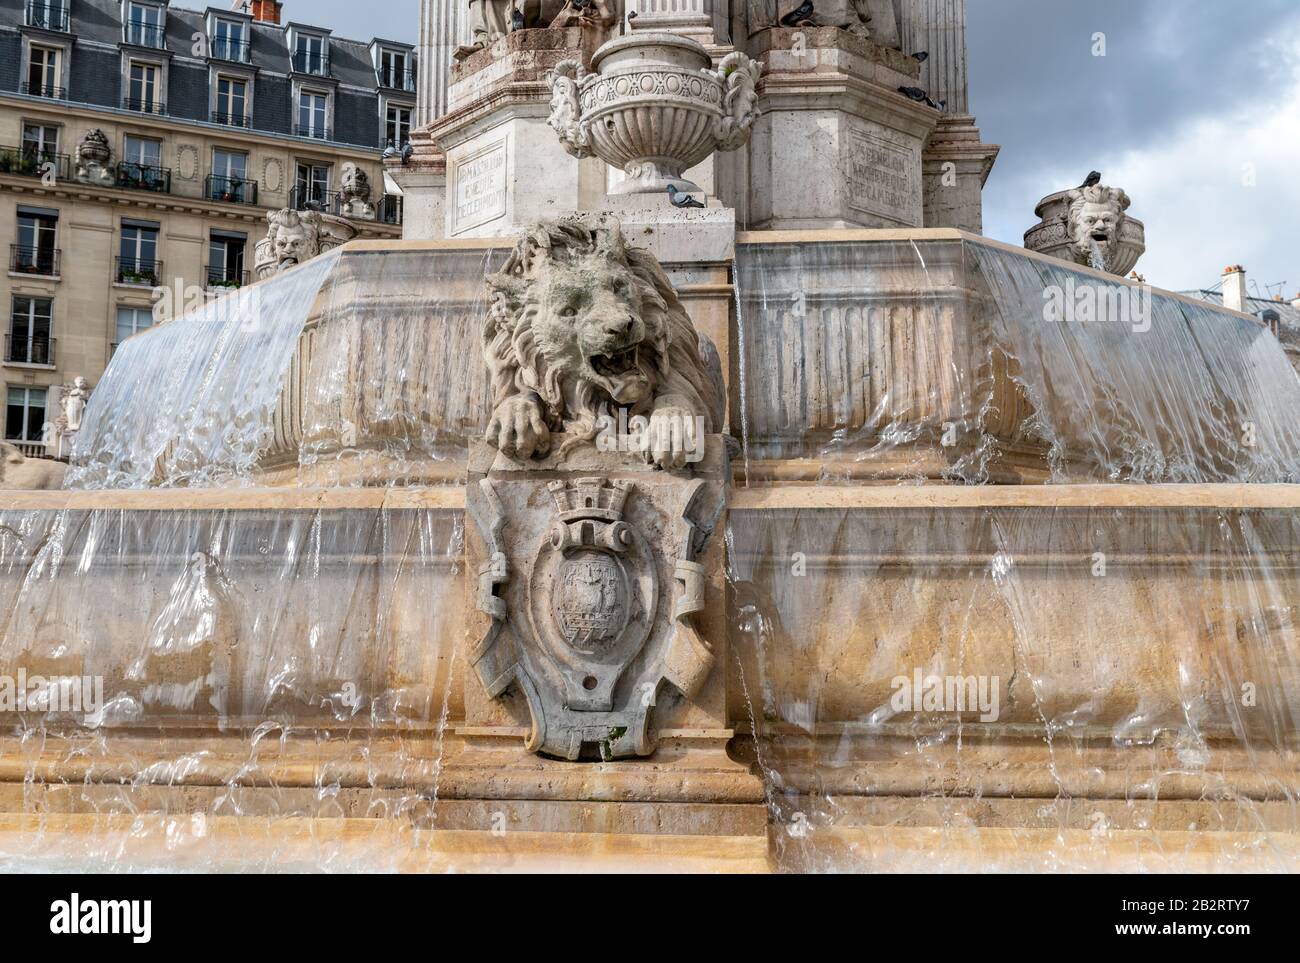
(618, 538)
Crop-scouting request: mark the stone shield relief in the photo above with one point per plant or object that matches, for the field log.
(592, 585)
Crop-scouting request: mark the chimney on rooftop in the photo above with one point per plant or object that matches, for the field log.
(1234, 288)
(266, 11)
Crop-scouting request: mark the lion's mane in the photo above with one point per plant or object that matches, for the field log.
(676, 358)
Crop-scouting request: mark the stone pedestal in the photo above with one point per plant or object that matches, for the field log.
(836, 145)
(505, 167)
(956, 164)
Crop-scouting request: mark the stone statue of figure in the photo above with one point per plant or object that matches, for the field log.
(490, 20)
(74, 403)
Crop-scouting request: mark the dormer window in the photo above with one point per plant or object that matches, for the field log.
(48, 14)
(143, 24)
(311, 54)
(230, 41)
(395, 70)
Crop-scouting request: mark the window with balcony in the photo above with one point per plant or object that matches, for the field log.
(395, 71)
(30, 324)
(131, 321)
(397, 127)
(25, 415)
(230, 41)
(311, 55)
(229, 181)
(144, 25)
(141, 166)
(311, 191)
(232, 102)
(40, 140)
(43, 72)
(144, 88)
(226, 260)
(137, 261)
(48, 14)
(313, 114)
(37, 155)
(35, 253)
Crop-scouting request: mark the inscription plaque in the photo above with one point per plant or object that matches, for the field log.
(880, 178)
(480, 188)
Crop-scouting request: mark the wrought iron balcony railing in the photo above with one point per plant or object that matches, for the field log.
(230, 190)
(318, 65)
(390, 209)
(311, 199)
(143, 35)
(151, 106)
(37, 261)
(47, 15)
(142, 177)
(230, 120)
(29, 350)
(394, 79)
(31, 162)
(43, 90)
(132, 270)
(239, 51)
(219, 278)
(316, 133)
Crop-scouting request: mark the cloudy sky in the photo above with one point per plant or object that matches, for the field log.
(1194, 110)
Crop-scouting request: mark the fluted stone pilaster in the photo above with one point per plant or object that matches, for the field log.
(939, 26)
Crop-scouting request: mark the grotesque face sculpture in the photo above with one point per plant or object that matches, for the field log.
(294, 237)
(1096, 216)
(582, 325)
(356, 183)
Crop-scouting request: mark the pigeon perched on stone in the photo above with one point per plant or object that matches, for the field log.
(1093, 180)
(921, 97)
(407, 152)
(797, 18)
(921, 56)
(390, 151)
(679, 199)
(517, 20)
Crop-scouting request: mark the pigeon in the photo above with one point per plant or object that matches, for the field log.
(798, 17)
(921, 56)
(1093, 180)
(390, 151)
(517, 20)
(407, 151)
(679, 199)
(921, 97)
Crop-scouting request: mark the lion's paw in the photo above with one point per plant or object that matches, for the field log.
(675, 439)
(518, 430)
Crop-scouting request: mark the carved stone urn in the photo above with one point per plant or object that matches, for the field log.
(653, 106)
(1089, 226)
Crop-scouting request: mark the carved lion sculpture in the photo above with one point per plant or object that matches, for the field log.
(582, 325)
(1096, 215)
(20, 473)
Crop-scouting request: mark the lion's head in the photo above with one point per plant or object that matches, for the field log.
(1097, 216)
(585, 325)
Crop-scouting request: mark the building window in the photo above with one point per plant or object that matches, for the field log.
(137, 261)
(230, 42)
(311, 55)
(40, 141)
(311, 190)
(144, 88)
(141, 167)
(43, 72)
(397, 128)
(226, 260)
(229, 182)
(35, 252)
(313, 111)
(144, 25)
(30, 322)
(131, 321)
(48, 14)
(25, 417)
(395, 70)
(232, 102)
